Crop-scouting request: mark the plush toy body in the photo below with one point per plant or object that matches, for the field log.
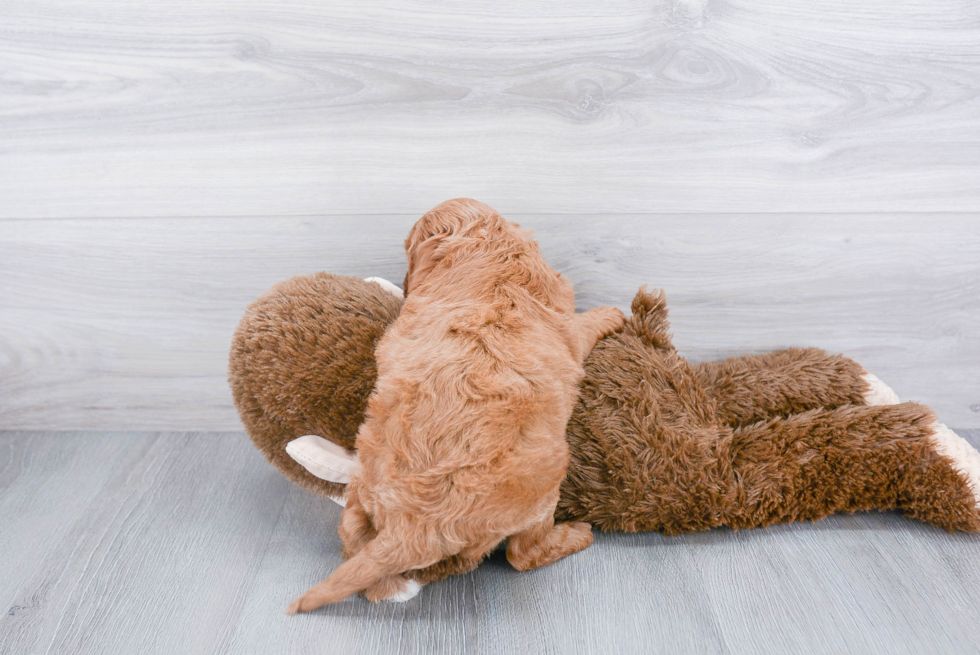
(660, 444)
(656, 443)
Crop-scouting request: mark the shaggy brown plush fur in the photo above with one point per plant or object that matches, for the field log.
(302, 362)
(745, 390)
(657, 443)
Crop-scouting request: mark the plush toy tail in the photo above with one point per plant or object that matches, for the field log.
(378, 559)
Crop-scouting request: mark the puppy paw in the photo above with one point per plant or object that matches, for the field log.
(410, 591)
(878, 392)
(394, 589)
(579, 535)
(564, 539)
(608, 320)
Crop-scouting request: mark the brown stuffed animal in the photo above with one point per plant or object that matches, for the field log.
(656, 443)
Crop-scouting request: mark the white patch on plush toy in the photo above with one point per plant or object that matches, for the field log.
(409, 591)
(966, 460)
(391, 288)
(880, 393)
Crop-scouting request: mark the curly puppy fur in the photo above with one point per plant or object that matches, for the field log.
(463, 444)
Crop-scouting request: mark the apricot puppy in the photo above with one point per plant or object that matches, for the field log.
(463, 444)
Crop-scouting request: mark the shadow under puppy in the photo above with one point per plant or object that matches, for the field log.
(463, 444)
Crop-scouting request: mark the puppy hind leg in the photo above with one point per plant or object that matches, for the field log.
(362, 570)
(380, 558)
(547, 542)
(455, 565)
(400, 588)
(594, 324)
(356, 528)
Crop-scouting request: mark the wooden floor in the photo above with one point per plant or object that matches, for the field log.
(191, 543)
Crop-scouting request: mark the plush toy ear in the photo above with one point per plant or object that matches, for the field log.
(390, 287)
(324, 459)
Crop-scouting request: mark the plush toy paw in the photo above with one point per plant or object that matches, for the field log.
(324, 459)
(965, 458)
(879, 392)
(390, 287)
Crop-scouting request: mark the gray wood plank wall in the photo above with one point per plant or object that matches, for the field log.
(176, 108)
(792, 174)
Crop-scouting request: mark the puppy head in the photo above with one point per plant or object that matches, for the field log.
(432, 235)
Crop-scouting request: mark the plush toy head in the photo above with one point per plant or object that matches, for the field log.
(302, 362)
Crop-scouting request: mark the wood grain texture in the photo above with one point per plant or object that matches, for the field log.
(161, 559)
(126, 324)
(304, 550)
(307, 107)
(193, 544)
(37, 471)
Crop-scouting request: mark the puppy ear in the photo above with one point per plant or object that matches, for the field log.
(421, 258)
(460, 216)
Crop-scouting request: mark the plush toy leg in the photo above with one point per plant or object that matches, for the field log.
(854, 458)
(394, 589)
(964, 457)
(878, 392)
(750, 389)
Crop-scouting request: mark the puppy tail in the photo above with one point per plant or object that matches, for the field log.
(376, 561)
